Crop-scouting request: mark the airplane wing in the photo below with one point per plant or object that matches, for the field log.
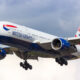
(71, 57)
(71, 40)
(74, 40)
(46, 45)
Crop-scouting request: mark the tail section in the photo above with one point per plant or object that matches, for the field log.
(78, 33)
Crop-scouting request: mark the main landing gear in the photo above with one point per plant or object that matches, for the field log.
(61, 61)
(26, 65)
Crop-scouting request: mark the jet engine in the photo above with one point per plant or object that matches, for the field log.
(59, 43)
(2, 53)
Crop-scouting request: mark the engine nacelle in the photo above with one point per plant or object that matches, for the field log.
(2, 53)
(59, 43)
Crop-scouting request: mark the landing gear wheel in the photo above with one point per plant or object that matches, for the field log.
(26, 65)
(26, 68)
(30, 66)
(61, 61)
(21, 64)
(66, 63)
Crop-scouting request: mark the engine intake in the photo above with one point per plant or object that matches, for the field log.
(60, 43)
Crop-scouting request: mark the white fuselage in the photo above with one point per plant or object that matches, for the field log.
(21, 35)
(25, 33)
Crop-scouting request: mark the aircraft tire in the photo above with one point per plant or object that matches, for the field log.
(30, 66)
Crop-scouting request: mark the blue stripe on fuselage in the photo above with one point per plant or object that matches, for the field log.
(19, 43)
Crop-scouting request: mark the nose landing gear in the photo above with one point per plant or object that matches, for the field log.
(26, 65)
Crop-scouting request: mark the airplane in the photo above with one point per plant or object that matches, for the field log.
(29, 43)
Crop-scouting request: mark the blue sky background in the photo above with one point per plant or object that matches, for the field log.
(59, 17)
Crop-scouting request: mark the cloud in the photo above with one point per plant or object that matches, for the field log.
(38, 14)
(44, 69)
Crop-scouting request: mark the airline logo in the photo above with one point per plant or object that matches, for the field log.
(8, 27)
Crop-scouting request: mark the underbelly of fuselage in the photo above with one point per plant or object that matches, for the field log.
(25, 45)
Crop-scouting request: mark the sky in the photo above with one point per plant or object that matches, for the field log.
(57, 17)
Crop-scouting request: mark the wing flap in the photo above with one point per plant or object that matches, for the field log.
(74, 40)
